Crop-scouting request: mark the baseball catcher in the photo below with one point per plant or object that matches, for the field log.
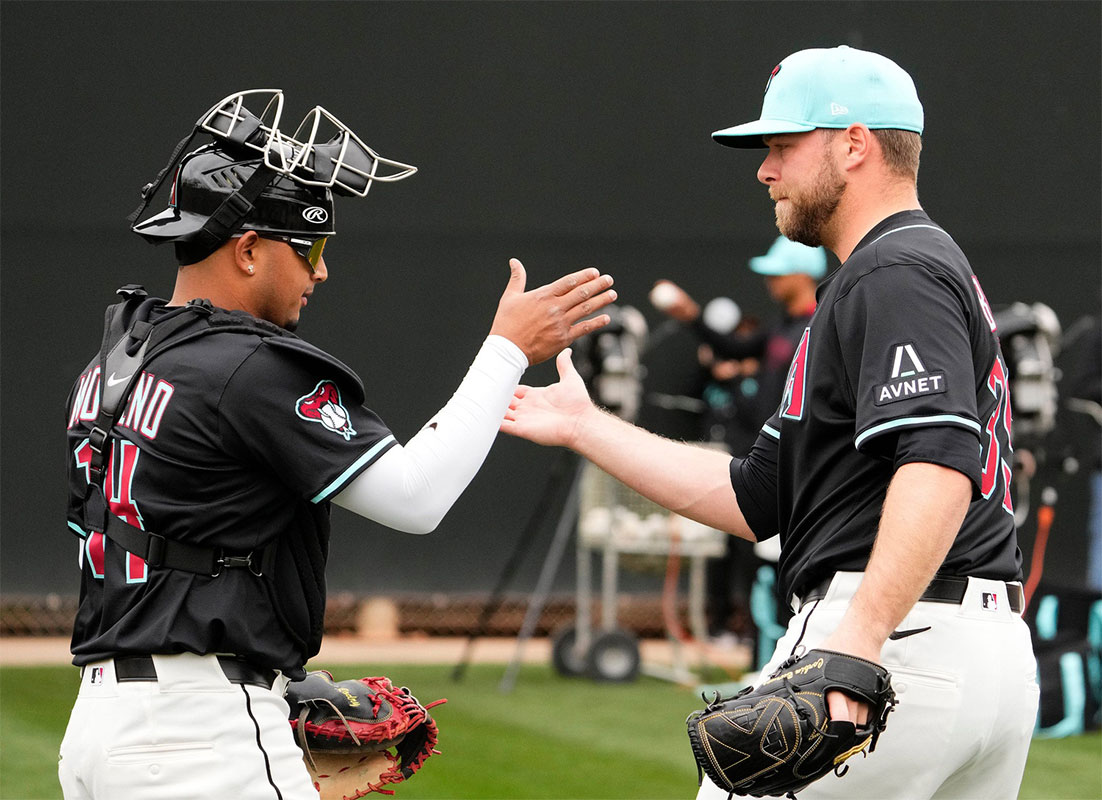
(776, 738)
(359, 736)
(232, 438)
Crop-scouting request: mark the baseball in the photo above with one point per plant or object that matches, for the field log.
(333, 416)
(663, 295)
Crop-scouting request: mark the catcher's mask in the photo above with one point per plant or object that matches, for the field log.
(255, 177)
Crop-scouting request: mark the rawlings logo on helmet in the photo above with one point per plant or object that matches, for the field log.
(315, 214)
(323, 405)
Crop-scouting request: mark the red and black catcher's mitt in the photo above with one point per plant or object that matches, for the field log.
(777, 738)
(358, 736)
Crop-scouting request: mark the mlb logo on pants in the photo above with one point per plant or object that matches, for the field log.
(96, 677)
(991, 601)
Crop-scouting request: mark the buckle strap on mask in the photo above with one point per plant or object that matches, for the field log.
(229, 215)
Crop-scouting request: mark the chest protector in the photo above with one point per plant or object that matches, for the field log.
(130, 341)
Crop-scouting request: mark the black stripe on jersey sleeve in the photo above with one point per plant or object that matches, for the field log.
(754, 480)
(944, 445)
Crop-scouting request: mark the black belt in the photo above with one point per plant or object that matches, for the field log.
(141, 668)
(945, 589)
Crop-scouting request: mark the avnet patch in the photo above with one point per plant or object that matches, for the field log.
(906, 388)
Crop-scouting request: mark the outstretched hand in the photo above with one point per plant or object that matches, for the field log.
(543, 321)
(550, 415)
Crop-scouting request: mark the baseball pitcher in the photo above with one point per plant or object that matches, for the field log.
(885, 470)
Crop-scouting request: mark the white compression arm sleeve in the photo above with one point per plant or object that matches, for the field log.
(411, 488)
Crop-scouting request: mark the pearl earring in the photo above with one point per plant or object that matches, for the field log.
(250, 269)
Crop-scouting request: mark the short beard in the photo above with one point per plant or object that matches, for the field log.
(806, 217)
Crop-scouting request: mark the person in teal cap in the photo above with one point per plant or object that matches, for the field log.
(885, 467)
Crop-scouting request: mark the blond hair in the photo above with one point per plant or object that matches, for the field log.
(901, 151)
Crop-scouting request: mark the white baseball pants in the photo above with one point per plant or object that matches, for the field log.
(189, 734)
(967, 691)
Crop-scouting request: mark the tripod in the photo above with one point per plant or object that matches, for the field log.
(567, 468)
(609, 362)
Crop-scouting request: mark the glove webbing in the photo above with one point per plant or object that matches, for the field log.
(300, 729)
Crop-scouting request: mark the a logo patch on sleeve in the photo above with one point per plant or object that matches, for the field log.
(323, 405)
(909, 378)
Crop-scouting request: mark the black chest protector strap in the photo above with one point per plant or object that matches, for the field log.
(130, 341)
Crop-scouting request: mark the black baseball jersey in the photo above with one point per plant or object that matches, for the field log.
(235, 440)
(899, 363)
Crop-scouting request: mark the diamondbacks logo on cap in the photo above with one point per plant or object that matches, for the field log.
(323, 405)
(909, 378)
(772, 75)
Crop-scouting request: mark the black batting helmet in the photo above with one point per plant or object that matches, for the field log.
(255, 177)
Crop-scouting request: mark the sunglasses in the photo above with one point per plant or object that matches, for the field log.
(310, 249)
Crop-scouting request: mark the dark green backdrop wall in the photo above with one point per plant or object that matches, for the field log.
(566, 134)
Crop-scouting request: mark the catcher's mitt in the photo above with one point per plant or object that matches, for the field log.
(777, 738)
(358, 736)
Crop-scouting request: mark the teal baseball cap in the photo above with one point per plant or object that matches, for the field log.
(786, 257)
(831, 88)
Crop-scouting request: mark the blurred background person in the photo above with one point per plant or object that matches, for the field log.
(745, 371)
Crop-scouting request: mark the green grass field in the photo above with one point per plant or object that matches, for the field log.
(552, 738)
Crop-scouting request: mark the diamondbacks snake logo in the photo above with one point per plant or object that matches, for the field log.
(323, 405)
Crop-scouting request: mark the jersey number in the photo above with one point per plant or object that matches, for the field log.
(995, 463)
(121, 464)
